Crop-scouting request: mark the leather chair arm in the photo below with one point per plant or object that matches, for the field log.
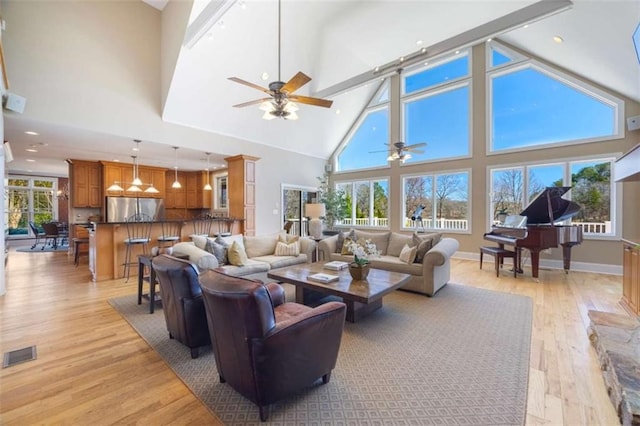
(276, 292)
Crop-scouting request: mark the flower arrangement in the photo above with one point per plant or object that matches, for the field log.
(363, 251)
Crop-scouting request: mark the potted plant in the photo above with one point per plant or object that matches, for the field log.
(334, 201)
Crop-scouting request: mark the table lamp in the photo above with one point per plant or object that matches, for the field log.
(315, 212)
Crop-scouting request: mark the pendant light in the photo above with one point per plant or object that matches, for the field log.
(176, 184)
(135, 185)
(208, 187)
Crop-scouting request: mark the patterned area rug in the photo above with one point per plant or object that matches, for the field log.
(461, 357)
(40, 249)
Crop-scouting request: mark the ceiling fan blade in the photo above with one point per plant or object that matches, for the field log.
(247, 83)
(257, 101)
(311, 101)
(296, 82)
(415, 151)
(384, 150)
(415, 145)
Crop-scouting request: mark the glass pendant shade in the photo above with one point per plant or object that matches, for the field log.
(208, 187)
(115, 187)
(176, 184)
(134, 188)
(137, 181)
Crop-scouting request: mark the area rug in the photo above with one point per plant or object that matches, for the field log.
(38, 249)
(461, 357)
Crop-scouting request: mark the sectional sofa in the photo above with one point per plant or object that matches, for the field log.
(429, 273)
(262, 252)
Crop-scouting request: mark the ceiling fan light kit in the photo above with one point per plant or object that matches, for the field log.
(280, 103)
(400, 151)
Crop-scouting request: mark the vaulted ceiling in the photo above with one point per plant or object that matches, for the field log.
(335, 42)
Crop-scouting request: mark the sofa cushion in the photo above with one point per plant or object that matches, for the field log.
(408, 254)
(261, 245)
(230, 239)
(284, 249)
(281, 261)
(397, 242)
(199, 240)
(251, 267)
(380, 239)
(394, 264)
(237, 255)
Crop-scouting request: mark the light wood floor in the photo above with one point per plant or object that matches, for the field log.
(92, 368)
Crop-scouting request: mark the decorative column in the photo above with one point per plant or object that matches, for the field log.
(242, 191)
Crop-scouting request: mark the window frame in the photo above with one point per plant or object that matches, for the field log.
(616, 103)
(371, 182)
(31, 188)
(435, 175)
(615, 208)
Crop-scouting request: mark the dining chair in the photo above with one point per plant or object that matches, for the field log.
(38, 234)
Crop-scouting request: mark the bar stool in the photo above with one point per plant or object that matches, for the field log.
(77, 242)
(202, 225)
(499, 254)
(171, 231)
(138, 234)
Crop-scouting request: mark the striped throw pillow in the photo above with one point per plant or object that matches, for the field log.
(284, 249)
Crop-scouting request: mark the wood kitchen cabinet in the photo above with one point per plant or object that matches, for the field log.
(123, 175)
(192, 194)
(86, 180)
(631, 277)
(175, 198)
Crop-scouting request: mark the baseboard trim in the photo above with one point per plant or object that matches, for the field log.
(597, 268)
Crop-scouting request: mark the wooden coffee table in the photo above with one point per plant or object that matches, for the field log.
(361, 297)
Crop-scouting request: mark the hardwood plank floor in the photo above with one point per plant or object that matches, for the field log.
(93, 368)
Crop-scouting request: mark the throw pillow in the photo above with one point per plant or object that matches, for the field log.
(218, 250)
(291, 249)
(423, 245)
(408, 254)
(345, 246)
(237, 255)
(341, 240)
(288, 239)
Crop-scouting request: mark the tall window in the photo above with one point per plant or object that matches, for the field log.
(367, 203)
(531, 105)
(29, 199)
(367, 145)
(592, 188)
(436, 107)
(438, 202)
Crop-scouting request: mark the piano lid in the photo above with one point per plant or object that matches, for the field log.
(549, 206)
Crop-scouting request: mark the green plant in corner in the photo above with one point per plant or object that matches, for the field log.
(334, 201)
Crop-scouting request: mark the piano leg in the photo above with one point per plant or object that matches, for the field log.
(517, 262)
(535, 261)
(566, 256)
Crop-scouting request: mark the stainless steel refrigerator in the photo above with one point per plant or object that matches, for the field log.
(120, 208)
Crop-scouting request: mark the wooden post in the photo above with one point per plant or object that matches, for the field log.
(242, 191)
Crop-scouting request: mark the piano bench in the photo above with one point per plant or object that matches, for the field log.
(499, 254)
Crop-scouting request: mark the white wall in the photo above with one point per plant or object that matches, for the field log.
(96, 65)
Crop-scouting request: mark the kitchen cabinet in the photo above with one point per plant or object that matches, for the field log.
(192, 194)
(86, 179)
(631, 277)
(123, 175)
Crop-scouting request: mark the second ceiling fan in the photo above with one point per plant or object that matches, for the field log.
(280, 103)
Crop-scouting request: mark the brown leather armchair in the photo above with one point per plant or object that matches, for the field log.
(182, 302)
(264, 348)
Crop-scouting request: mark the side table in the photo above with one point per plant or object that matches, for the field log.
(318, 252)
(144, 261)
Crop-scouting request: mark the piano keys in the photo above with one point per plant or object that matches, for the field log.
(540, 232)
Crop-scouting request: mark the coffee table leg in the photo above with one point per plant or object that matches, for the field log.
(356, 310)
(299, 294)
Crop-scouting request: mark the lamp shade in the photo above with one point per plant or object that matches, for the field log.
(315, 210)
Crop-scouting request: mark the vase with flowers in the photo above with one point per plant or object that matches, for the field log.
(363, 251)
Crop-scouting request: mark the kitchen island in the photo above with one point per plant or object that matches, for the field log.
(107, 248)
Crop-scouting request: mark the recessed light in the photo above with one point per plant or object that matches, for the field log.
(424, 49)
(31, 150)
(30, 160)
(426, 63)
(265, 76)
(457, 52)
(337, 111)
(525, 26)
(221, 23)
(558, 39)
(32, 133)
(115, 160)
(419, 42)
(377, 69)
(489, 39)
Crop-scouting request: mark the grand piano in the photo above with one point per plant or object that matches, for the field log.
(540, 231)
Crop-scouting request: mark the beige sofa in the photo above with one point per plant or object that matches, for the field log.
(427, 277)
(260, 252)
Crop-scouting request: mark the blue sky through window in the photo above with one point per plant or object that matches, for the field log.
(498, 58)
(440, 74)
(442, 121)
(371, 135)
(530, 108)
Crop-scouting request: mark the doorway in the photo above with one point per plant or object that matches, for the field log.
(294, 200)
